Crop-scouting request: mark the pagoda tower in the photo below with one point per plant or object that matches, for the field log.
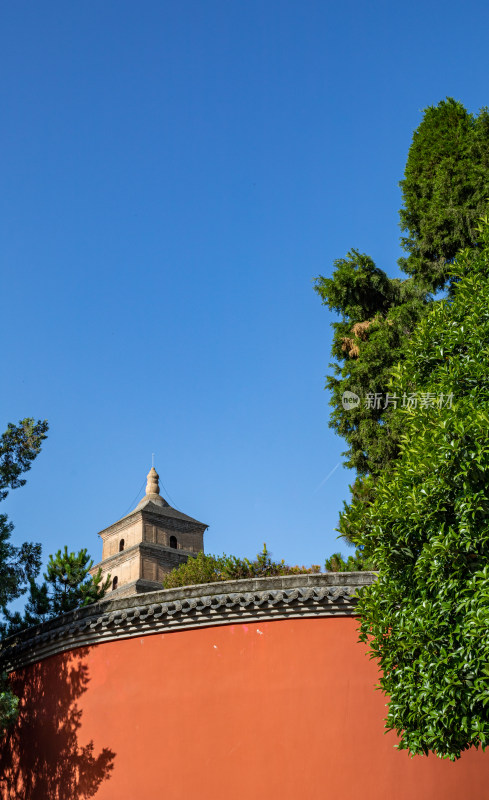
(142, 547)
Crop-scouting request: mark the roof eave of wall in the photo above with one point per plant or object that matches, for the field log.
(220, 603)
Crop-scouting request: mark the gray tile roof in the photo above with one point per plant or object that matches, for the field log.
(160, 510)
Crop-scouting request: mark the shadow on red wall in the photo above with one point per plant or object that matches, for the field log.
(41, 758)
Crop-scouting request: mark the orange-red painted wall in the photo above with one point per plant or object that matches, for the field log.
(278, 710)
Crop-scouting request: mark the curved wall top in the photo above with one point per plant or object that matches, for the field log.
(220, 603)
(251, 689)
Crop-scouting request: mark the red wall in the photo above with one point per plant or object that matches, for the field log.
(275, 710)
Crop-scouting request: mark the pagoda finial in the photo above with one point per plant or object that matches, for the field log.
(152, 486)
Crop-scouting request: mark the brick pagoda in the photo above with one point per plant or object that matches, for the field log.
(142, 547)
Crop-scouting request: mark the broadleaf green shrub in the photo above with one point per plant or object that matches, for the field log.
(426, 618)
(357, 562)
(210, 568)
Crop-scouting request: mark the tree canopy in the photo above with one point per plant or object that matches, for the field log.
(67, 585)
(207, 568)
(444, 191)
(427, 528)
(377, 315)
(19, 446)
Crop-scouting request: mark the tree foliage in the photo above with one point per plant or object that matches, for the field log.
(67, 585)
(209, 568)
(353, 563)
(378, 314)
(445, 189)
(427, 528)
(19, 446)
(9, 703)
(67, 575)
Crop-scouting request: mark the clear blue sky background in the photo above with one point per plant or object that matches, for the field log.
(173, 176)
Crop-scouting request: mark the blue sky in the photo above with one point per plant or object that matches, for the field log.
(174, 175)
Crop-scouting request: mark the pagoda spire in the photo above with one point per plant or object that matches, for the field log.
(153, 486)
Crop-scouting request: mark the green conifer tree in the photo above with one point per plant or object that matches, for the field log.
(19, 446)
(445, 190)
(69, 582)
(67, 585)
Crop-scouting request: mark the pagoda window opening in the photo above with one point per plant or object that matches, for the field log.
(121, 545)
(173, 542)
(115, 581)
